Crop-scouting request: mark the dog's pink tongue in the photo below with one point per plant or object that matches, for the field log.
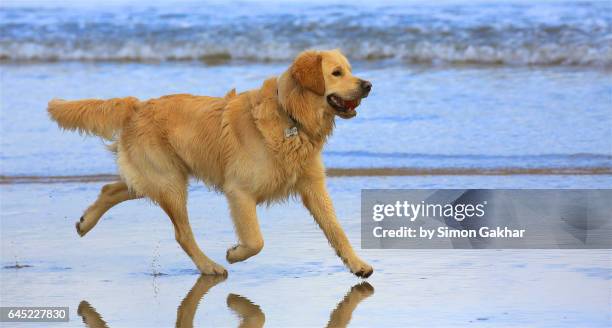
(350, 104)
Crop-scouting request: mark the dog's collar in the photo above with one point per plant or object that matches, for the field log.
(292, 130)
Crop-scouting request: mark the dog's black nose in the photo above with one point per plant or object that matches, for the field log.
(366, 85)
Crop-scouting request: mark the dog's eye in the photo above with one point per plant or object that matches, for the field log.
(337, 72)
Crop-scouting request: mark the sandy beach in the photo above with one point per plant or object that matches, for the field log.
(132, 273)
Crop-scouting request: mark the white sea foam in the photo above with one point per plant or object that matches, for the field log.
(423, 52)
(519, 33)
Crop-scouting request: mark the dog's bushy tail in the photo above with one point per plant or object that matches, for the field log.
(103, 118)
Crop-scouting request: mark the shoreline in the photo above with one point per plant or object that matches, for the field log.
(343, 172)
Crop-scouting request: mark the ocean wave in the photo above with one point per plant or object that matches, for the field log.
(423, 52)
(490, 34)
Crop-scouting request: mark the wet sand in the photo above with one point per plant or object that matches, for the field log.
(129, 271)
(347, 172)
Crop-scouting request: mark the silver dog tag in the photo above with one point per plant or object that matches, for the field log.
(290, 132)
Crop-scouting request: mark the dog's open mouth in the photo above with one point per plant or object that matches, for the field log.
(343, 108)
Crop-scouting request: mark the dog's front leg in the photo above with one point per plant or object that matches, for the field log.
(317, 201)
(244, 214)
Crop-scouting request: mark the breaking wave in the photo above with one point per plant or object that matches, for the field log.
(424, 52)
(489, 34)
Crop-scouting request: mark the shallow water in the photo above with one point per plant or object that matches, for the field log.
(132, 272)
(456, 85)
(424, 117)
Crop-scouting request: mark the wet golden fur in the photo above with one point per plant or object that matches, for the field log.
(236, 144)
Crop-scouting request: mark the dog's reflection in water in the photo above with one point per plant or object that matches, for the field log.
(250, 314)
(186, 311)
(341, 316)
(91, 317)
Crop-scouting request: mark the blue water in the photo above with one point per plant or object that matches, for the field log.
(479, 84)
(456, 85)
(444, 118)
(480, 32)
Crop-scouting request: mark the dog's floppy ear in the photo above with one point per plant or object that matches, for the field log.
(308, 71)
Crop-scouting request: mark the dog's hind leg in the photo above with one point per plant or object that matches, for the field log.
(110, 195)
(244, 214)
(174, 203)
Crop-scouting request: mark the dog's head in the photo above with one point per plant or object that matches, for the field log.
(328, 74)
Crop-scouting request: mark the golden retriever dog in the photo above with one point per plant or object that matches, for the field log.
(258, 146)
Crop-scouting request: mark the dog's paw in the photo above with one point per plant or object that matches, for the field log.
(79, 229)
(360, 268)
(212, 268)
(232, 254)
(86, 223)
(240, 253)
